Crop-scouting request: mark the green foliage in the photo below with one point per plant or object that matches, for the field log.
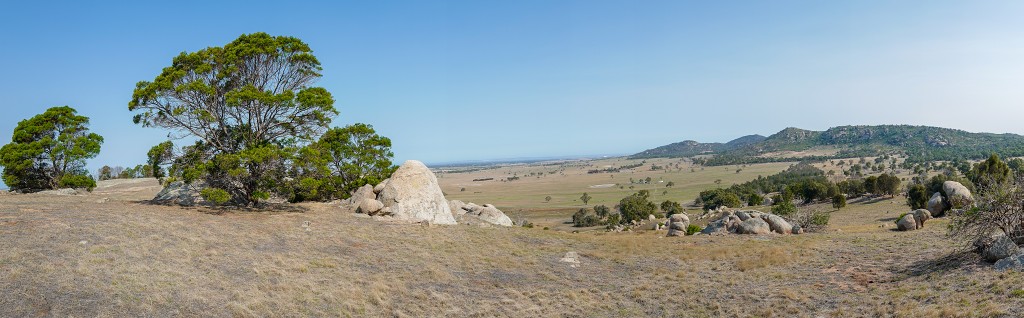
(784, 208)
(838, 201)
(215, 195)
(77, 181)
(990, 173)
(636, 207)
(693, 229)
(585, 198)
(582, 218)
(754, 199)
(714, 198)
(917, 196)
(871, 185)
(158, 156)
(602, 211)
(105, 173)
(887, 184)
(671, 207)
(920, 143)
(47, 147)
(853, 188)
(900, 217)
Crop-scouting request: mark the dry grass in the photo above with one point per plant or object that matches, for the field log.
(149, 260)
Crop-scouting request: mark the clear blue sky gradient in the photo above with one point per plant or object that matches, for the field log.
(465, 80)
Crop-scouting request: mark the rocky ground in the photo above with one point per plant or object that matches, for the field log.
(110, 253)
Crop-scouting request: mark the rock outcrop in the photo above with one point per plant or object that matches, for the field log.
(1015, 262)
(936, 206)
(677, 224)
(369, 206)
(921, 215)
(364, 192)
(413, 194)
(777, 224)
(179, 193)
(753, 226)
(1002, 247)
(957, 194)
(906, 223)
(486, 213)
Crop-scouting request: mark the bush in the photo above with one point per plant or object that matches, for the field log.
(917, 196)
(838, 201)
(215, 195)
(693, 229)
(583, 218)
(636, 207)
(784, 208)
(754, 199)
(77, 181)
(812, 220)
(898, 218)
(714, 198)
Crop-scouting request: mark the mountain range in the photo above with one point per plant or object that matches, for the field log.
(917, 143)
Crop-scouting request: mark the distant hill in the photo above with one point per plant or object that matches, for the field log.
(918, 143)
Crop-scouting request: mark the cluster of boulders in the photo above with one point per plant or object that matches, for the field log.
(1003, 251)
(412, 194)
(750, 222)
(677, 224)
(953, 195)
(913, 220)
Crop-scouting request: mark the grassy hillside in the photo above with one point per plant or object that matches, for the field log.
(918, 143)
(107, 254)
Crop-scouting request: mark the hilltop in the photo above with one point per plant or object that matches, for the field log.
(917, 143)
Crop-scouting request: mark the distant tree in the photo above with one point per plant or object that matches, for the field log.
(715, 198)
(602, 211)
(636, 207)
(582, 218)
(670, 184)
(871, 185)
(887, 184)
(105, 173)
(838, 201)
(671, 207)
(585, 198)
(547, 199)
(47, 148)
(784, 208)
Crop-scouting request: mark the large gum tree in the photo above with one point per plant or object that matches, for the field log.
(245, 102)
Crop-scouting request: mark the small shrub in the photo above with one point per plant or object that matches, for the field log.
(1017, 293)
(812, 220)
(693, 229)
(784, 208)
(546, 228)
(215, 195)
(898, 218)
(838, 201)
(77, 181)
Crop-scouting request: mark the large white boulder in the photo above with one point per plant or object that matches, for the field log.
(753, 226)
(412, 194)
(957, 194)
(486, 213)
(777, 224)
(907, 223)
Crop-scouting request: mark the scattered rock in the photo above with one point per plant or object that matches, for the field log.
(753, 226)
(742, 215)
(65, 191)
(1015, 262)
(935, 205)
(907, 223)
(370, 206)
(1002, 247)
(380, 186)
(572, 258)
(921, 215)
(103, 200)
(364, 192)
(797, 229)
(715, 228)
(413, 194)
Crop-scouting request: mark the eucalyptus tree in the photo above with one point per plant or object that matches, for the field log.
(48, 151)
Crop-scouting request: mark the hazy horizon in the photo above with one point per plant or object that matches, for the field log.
(462, 81)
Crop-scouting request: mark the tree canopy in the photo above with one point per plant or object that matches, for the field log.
(49, 150)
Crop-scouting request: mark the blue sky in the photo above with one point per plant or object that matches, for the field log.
(465, 80)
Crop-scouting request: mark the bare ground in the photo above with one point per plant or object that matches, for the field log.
(85, 256)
